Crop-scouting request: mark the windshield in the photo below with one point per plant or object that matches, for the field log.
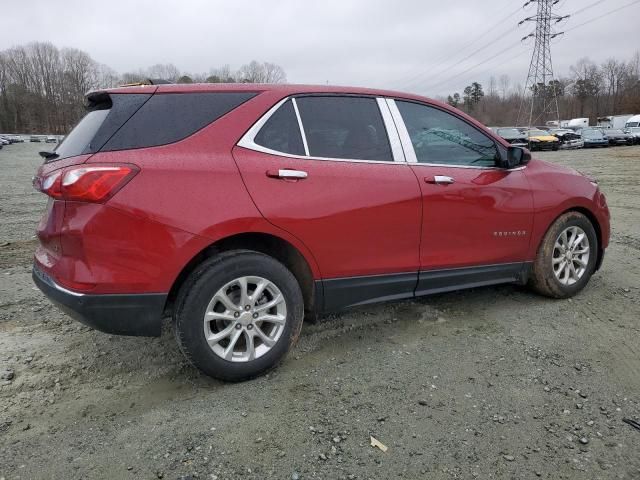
(509, 132)
(592, 133)
(538, 133)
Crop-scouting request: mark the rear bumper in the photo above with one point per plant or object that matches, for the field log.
(119, 314)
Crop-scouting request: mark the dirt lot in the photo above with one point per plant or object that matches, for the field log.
(488, 383)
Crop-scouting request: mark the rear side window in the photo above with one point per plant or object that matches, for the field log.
(282, 132)
(78, 140)
(170, 117)
(106, 115)
(344, 127)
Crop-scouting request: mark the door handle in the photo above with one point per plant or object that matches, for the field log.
(440, 179)
(287, 173)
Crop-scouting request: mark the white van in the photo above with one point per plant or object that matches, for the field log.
(633, 122)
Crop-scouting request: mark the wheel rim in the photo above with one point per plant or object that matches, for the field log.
(245, 319)
(570, 255)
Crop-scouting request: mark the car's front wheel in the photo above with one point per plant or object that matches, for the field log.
(238, 315)
(566, 257)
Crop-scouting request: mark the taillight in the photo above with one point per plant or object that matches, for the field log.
(87, 183)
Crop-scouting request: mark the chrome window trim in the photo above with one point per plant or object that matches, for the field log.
(392, 132)
(302, 132)
(403, 133)
(475, 167)
(410, 152)
(248, 139)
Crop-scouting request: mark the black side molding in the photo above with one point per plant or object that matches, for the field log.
(447, 280)
(341, 293)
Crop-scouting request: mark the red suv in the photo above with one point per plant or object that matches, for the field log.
(241, 209)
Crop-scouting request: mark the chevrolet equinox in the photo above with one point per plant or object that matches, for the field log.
(240, 210)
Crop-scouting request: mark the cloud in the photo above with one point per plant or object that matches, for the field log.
(403, 44)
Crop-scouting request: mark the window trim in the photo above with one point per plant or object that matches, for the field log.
(395, 143)
(410, 152)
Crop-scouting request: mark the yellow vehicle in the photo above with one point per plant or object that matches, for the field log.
(541, 140)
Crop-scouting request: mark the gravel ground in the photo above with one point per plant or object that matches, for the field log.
(486, 383)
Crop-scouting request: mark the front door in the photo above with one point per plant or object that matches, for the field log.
(477, 218)
(337, 187)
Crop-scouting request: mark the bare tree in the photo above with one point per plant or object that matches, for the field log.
(505, 84)
(165, 71)
(255, 72)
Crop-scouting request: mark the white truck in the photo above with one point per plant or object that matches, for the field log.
(614, 121)
(633, 121)
(575, 123)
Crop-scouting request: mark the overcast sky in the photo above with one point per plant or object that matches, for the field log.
(411, 45)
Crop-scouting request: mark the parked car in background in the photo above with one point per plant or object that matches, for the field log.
(542, 140)
(618, 137)
(568, 138)
(593, 137)
(635, 134)
(51, 139)
(4, 141)
(282, 201)
(35, 139)
(512, 135)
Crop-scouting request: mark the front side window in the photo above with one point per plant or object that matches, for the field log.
(282, 132)
(344, 127)
(441, 138)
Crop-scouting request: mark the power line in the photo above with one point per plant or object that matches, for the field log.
(586, 8)
(511, 47)
(602, 16)
(494, 40)
(501, 52)
(412, 79)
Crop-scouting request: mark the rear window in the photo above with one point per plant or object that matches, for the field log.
(344, 127)
(170, 117)
(282, 132)
(106, 115)
(78, 140)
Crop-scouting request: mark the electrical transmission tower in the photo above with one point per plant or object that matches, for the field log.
(540, 84)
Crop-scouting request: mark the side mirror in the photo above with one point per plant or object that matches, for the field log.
(516, 156)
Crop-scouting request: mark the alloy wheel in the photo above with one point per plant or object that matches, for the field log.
(245, 319)
(570, 255)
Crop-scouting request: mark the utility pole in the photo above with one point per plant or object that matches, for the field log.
(543, 103)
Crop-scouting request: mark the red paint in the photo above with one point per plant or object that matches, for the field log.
(464, 222)
(346, 218)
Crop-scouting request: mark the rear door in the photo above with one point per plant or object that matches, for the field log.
(477, 218)
(330, 170)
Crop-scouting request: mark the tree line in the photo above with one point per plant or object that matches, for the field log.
(589, 91)
(42, 87)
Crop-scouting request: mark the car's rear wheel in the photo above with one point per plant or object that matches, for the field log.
(238, 315)
(566, 258)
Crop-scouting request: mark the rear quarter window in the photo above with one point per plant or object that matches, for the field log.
(169, 117)
(99, 124)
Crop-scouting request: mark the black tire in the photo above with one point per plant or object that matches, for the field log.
(543, 279)
(200, 288)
